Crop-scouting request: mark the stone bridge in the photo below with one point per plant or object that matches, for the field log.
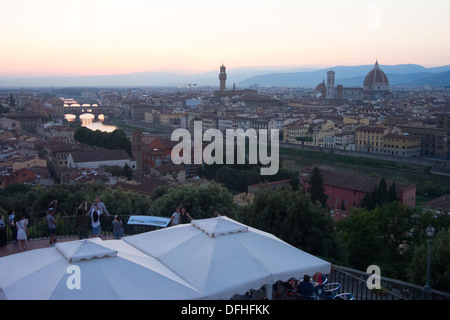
(77, 110)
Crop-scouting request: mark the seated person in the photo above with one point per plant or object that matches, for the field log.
(317, 278)
(305, 287)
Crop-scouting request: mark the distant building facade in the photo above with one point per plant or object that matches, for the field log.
(402, 145)
(223, 92)
(370, 138)
(348, 189)
(435, 140)
(375, 86)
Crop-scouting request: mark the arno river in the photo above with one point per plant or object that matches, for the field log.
(88, 120)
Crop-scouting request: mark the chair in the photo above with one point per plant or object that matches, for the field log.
(344, 296)
(329, 291)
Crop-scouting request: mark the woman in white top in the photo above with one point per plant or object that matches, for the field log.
(22, 232)
(97, 209)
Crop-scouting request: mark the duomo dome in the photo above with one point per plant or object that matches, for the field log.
(376, 80)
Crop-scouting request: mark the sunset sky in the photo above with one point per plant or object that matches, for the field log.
(96, 37)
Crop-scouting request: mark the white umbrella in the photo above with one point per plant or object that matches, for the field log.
(101, 269)
(221, 257)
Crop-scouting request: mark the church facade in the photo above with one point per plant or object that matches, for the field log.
(375, 86)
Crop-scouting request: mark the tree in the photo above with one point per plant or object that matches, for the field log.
(291, 216)
(11, 101)
(382, 192)
(128, 172)
(379, 196)
(392, 194)
(116, 140)
(440, 262)
(381, 236)
(357, 234)
(294, 182)
(201, 201)
(81, 134)
(3, 109)
(317, 190)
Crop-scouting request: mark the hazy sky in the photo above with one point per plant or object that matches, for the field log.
(88, 37)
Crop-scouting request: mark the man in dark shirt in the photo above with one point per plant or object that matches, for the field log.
(305, 287)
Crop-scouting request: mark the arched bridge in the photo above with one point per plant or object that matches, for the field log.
(78, 109)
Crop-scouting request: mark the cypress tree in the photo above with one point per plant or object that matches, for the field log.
(317, 190)
(392, 193)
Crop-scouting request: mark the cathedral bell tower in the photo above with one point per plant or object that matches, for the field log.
(330, 84)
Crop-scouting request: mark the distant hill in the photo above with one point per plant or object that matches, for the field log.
(144, 79)
(399, 75)
(407, 80)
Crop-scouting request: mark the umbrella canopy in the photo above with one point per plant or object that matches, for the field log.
(221, 257)
(105, 270)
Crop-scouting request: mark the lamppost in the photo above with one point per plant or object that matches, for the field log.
(426, 290)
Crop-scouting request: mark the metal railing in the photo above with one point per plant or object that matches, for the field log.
(355, 282)
(66, 226)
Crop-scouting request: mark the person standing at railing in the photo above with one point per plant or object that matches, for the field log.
(26, 216)
(175, 218)
(117, 227)
(3, 241)
(184, 216)
(97, 209)
(22, 233)
(54, 205)
(51, 226)
(80, 220)
(12, 224)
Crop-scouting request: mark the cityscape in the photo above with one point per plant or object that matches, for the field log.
(361, 150)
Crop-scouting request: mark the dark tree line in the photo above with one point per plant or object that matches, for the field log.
(380, 195)
(116, 140)
(294, 218)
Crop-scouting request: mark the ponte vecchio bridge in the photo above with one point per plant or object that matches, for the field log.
(77, 109)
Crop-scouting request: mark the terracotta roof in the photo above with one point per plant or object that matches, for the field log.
(166, 143)
(401, 136)
(170, 167)
(99, 155)
(439, 204)
(353, 182)
(370, 128)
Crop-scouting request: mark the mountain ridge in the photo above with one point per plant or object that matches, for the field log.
(399, 75)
